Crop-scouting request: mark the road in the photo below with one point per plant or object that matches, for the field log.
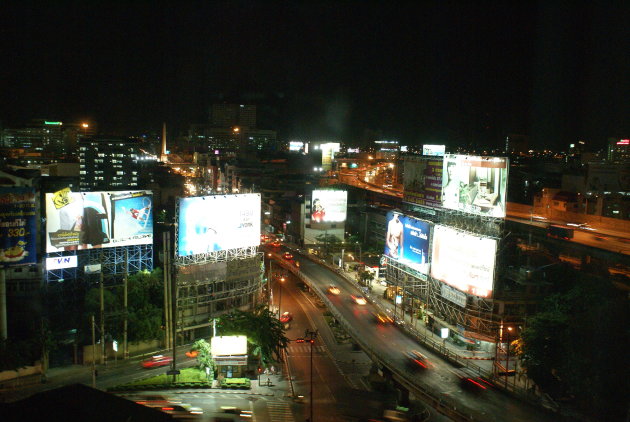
(340, 389)
(390, 343)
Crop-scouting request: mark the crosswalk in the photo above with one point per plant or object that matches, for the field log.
(305, 349)
(279, 411)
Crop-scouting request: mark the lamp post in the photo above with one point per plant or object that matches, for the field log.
(310, 336)
(507, 356)
(280, 296)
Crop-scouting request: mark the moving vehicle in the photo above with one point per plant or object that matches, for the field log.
(156, 361)
(286, 317)
(560, 232)
(288, 256)
(470, 380)
(358, 299)
(182, 411)
(383, 317)
(333, 290)
(418, 359)
(154, 400)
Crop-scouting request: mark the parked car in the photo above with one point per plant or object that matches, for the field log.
(156, 361)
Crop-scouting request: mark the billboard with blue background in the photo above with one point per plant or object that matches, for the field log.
(17, 226)
(407, 241)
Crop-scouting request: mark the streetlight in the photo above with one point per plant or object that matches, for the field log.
(280, 296)
(85, 126)
(310, 336)
(507, 356)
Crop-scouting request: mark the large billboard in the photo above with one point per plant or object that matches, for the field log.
(407, 241)
(218, 222)
(475, 185)
(329, 206)
(86, 220)
(422, 181)
(17, 226)
(463, 261)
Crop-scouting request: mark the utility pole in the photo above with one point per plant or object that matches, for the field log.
(102, 282)
(3, 305)
(167, 308)
(125, 303)
(174, 372)
(93, 352)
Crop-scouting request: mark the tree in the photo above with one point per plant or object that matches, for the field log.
(576, 346)
(204, 355)
(364, 277)
(264, 332)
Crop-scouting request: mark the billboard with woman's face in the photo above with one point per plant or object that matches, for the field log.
(329, 206)
(477, 185)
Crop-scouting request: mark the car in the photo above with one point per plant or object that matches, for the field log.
(182, 410)
(383, 317)
(288, 256)
(276, 244)
(359, 300)
(232, 410)
(154, 400)
(156, 361)
(418, 359)
(333, 290)
(286, 317)
(470, 380)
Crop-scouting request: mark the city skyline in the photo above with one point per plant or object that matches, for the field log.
(452, 73)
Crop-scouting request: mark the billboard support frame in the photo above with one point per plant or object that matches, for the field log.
(218, 256)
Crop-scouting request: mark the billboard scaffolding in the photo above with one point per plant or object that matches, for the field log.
(217, 228)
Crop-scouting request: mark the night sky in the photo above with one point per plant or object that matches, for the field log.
(461, 73)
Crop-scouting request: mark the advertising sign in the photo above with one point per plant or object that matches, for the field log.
(85, 220)
(476, 185)
(433, 150)
(463, 261)
(422, 181)
(219, 222)
(17, 226)
(60, 262)
(329, 206)
(407, 241)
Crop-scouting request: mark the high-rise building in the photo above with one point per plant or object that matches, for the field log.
(109, 163)
(228, 115)
(618, 149)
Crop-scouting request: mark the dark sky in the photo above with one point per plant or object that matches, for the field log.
(461, 73)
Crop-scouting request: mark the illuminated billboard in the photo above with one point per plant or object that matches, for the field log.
(463, 261)
(407, 241)
(86, 220)
(59, 262)
(329, 206)
(422, 181)
(476, 185)
(433, 150)
(17, 226)
(218, 222)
